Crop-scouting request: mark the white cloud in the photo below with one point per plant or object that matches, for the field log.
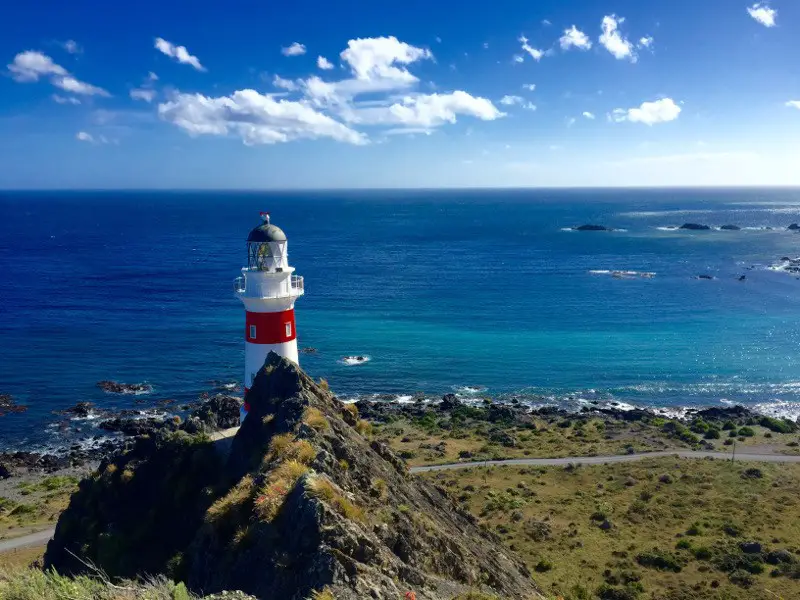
(431, 110)
(143, 94)
(571, 121)
(529, 106)
(255, 118)
(65, 99)
(511, 100)
(30, 65)
(613, 41)
(82, 136)
(286, 84)
(529, 86)
(377, 58)
(574, 37)
(649, 113)
(179, 53)
(70, 84)
(485, 45)
(793, 104)
(72, 47)
(517, 58)
(152, 76)
(535, 53)
(646, 42)
(545, 22)
(296, 49)
(763, 14)
(586, 114)
(324, 64)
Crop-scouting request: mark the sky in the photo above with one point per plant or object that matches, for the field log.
(354, 94)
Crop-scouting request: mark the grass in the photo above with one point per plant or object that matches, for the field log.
(43, 500)
(285, 447)
(33, 584)
(437, 438)
(620, 530)
(323, 489)
(273, 492)
(314, 418)
(323, 594)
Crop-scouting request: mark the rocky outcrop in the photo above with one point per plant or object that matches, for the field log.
(218, 412)
(794, 227)
(113, 387)
(304, 503)
(591, 227)
(694, 227)
(8, 406)
(730, 228)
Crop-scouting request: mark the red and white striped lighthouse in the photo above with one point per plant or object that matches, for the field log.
(268, 288)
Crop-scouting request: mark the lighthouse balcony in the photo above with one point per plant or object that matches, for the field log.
(267, 288)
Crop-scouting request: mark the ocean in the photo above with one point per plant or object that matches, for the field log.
(477, 292)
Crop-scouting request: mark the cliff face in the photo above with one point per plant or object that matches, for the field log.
(303, 503)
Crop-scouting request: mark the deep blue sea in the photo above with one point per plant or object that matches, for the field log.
(443, 290)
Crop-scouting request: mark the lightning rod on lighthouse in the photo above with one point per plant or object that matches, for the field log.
(268, 289)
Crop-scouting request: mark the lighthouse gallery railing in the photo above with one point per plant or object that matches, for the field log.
(296, 287)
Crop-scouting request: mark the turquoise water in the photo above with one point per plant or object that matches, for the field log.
(441, 289)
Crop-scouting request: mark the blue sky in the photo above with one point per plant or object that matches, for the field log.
(416, 94)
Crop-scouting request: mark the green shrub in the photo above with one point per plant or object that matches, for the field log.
(712, 434)
(683, 545)
(778, 425)
(746, 432)
(728, 426)
(702, 553)
(543, 566)
(660, 559)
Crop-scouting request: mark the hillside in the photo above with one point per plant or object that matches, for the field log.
(302, 504)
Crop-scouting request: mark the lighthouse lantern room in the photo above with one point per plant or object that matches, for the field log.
(268, 288)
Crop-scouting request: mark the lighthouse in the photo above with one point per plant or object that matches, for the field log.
(268, 288)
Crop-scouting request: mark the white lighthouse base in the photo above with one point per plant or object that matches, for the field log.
(256, 354)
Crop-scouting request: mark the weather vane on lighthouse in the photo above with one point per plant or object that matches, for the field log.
(268, 288)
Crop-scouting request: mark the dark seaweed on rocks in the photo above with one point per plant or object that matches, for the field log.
(302, 502)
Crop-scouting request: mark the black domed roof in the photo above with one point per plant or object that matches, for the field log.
(266, 232)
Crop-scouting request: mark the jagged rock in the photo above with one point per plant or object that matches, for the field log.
(304, 503)
(113, 387)
(500, 412)
(5, 471)
(8, 406)
(590, 227)
(449, 402)
(137, 426)
(730, 228)
(219, 412)
(308, 350)
(694, 227)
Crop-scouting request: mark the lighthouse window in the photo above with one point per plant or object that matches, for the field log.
(288, 330)
(252, 332)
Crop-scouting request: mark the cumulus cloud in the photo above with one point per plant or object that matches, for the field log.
(179, 53)
(535, 53)
(649, 113)
(587, 115)
(31, 65)
(82, 136)
(285, 84)
(324, 64)
(613, 41)
(255, 118)
(65, 99)
(573, 37)
(793, 104)
(763, 14)
(431, 110)
(529, 86)
(646, 42)
(296, 49)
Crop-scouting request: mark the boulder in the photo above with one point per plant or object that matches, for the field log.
(219, 412)
(449, 402)
(5, 471)
(750, 547)
(794, 227)
(694, 227)
(730, 228)
(113, 387)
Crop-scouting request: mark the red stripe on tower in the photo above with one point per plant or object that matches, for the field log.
(270, 327)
